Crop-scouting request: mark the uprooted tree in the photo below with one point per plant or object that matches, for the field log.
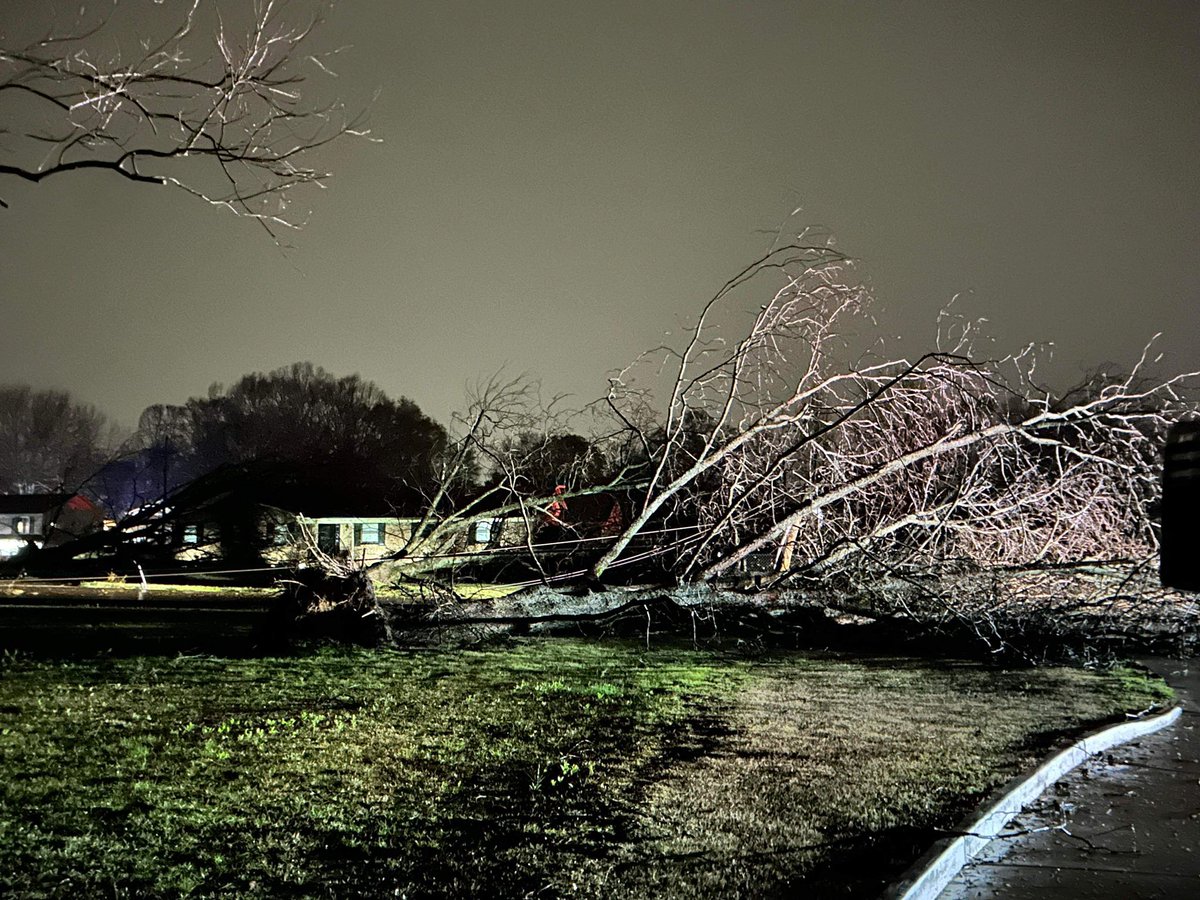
(216, 104)
(950, 488)
(825, 464)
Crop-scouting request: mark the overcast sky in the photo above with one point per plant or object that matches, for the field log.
(559, 183)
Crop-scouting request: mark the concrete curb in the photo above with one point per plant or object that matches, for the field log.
(929, 876)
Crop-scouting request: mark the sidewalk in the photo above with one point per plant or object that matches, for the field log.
(1125, 825)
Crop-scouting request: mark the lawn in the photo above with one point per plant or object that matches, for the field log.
(548, 768)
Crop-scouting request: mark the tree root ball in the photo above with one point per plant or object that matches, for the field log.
(320, 605)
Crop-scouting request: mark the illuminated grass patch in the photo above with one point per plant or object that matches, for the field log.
(567, 767)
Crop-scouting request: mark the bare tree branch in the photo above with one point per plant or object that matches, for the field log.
(219, 110)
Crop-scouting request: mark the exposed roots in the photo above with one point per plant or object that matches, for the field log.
(331, 605)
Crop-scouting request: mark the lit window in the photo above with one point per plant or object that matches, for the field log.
(481, 532)
(369, 533)
(23, 524)
(191, 534)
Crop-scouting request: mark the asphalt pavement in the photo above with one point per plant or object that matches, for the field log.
(1126, 824)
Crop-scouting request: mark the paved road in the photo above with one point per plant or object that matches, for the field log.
(1125, 825)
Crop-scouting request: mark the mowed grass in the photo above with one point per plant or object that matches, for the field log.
(836, 774)
(548, 768)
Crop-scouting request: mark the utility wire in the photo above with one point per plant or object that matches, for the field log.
(461, 554)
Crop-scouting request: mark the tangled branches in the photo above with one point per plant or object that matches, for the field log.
(217, 109)
(800, 456)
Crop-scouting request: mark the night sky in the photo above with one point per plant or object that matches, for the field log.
(560, 183)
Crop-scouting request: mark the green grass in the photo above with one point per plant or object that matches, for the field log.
(324, 775)
(560, 767)
(839, 773)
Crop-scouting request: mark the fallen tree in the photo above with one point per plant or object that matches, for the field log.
(953, 491)
(790, 456)
(950, 457)
(1017, 618)
(819, 465)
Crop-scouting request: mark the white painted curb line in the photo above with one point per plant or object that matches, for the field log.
(940, 871)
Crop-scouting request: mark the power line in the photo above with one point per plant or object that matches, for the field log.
(511, 549)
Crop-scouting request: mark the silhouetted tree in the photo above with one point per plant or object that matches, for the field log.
(48, 442)
(337, 439)
(297, 438)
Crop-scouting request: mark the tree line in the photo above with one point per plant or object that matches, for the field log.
(297, 438)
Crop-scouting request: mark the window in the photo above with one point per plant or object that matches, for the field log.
(369, 533)
(329, 538)
(192, 534)
(22, 525)
(481, 532)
